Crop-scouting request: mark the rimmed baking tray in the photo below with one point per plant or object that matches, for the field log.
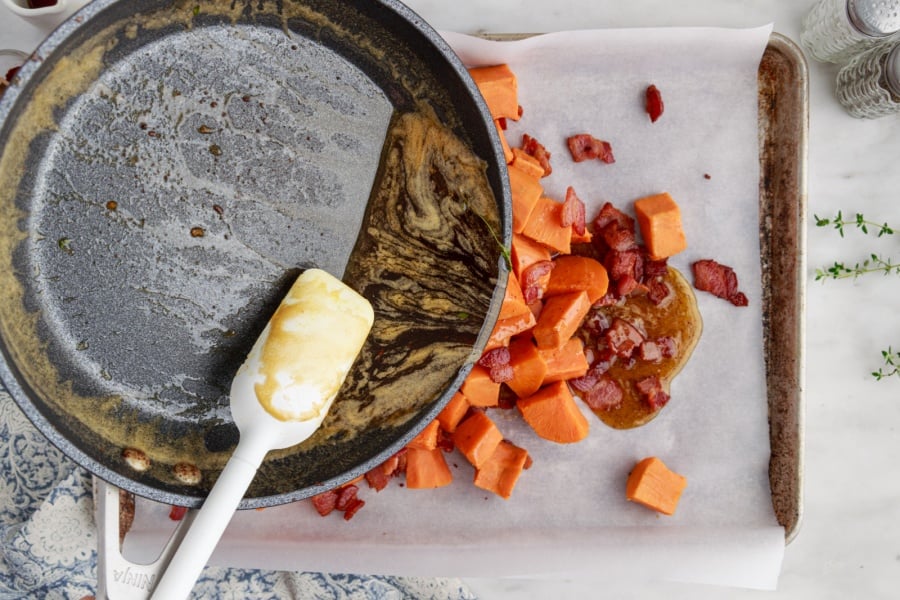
(783, 139)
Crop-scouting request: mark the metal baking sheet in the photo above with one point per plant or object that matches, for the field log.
(783, 138)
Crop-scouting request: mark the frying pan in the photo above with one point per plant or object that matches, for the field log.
(167, 170)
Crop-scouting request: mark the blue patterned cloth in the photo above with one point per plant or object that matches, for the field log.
(48, 540)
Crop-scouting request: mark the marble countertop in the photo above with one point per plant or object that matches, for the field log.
(848, 545)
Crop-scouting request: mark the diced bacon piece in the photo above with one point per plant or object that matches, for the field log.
(573, 212)
(501, 373)
(618, 238)
(496, 357)
(584, 146)
(325, 502)
(536, 149)
(651, 352)
(623, 338)
(667, 345)
(719, 280)
(345, 496)
(377, 478)
(625, 285)
(598, 369)
(176, 513)
(606, 394)
(596, 323)
(609, 213)
(535, 279)
(624, 263)
(658, 291)
(651, 391)
(654, 103)
(353, 507)
(655, 268)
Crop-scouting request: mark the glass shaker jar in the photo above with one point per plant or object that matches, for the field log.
(869, 85)
(835, 30)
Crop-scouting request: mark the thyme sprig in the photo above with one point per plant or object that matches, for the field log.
(859, 221)
(891, 365)
(875, 263)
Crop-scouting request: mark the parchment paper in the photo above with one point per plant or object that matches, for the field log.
(568, 515)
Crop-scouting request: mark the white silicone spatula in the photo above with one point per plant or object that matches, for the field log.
(279, 397)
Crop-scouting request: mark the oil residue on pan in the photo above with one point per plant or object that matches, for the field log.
(182, 191)
(159, 197)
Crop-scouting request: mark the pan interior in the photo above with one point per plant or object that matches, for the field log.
(182, 192)
(167, 173)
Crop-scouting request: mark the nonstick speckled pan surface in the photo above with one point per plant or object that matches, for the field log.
(167, 170)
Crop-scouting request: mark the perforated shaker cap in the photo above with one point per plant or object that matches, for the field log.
(877, 18)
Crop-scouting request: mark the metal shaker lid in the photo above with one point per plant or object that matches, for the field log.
(877, 18)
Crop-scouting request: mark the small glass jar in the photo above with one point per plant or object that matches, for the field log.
(869, 85)
(835, 30)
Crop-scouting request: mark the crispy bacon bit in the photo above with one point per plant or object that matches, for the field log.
(325, 502)
(496, 357)
(623, 338)
(651, 352)
(605, 395)
(176, 513)
(719, 280)
(609, 213)
(625, 263)
(502, 123)
(667, 345)
(534, 278)
(573, 212)
(618, 238)
(445, 441)
(654, 104)
(658, 291)
(345, 495)
(651, 390)
(377, 478)
(353, 507)
(534, 148)
(655, 268)
(501, 373)
(584, 146)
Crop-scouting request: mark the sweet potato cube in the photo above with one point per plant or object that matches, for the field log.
(426, 469)
(659, 219)
(560, 319)
(528, 367)
(652, 484)
(507, 151)
(573, 273)
(476, 438)
(499, 86)
(554, 415)
(544, 225)
(427, 438)
(526, 252)
(566, 362)
(526, 162)
(526, 190)
(501, 471)
(453, 412)
(479, 389)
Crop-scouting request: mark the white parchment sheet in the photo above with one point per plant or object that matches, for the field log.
(568, 515)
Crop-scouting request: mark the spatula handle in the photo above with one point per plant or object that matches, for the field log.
(212, 519)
